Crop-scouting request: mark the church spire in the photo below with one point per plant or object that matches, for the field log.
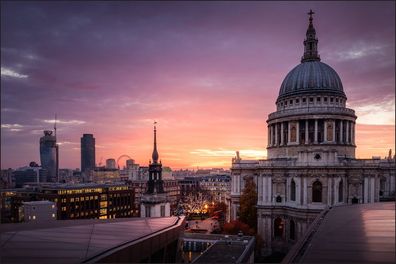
(310, 42)
(155, 152)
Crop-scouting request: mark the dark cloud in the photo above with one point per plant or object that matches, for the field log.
(87, 60)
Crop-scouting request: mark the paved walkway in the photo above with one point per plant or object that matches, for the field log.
(355, 234)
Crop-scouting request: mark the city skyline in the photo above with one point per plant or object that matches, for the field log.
(209, 73)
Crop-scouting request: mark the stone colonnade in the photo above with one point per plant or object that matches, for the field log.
(311, 131)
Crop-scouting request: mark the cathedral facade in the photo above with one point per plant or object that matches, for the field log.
(311, 160)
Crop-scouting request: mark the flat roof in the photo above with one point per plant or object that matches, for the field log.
(363, 233)
(225, 248)
(38, 202)
(73, 241)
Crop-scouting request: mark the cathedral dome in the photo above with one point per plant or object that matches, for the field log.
(311, 76)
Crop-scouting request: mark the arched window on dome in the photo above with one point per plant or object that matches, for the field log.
(329, 127)
(340, 192)
(292, 190)
(293, 133)
(317, 192)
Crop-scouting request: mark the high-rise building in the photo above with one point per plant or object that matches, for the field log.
(49, 155)
(110, 164)
(87, 152)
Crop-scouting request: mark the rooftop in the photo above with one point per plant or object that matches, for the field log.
(38, 203)
(73, 241)
(226, 248)
(363, 233)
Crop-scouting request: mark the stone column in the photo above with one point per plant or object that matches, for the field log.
(316, 131)
(365, 194)
(306, 132)
(281, 135)
(341, 123)
(298, 132)
(298, 183)
(325, 130)
(329, 189)
(288, 133)
(260, 189)
(347, 132)
(372, 189)
(269, 135)
(276, 134)
(265, 192)
(334, 131)
(304, 190)
(269, 189)
(353, 133)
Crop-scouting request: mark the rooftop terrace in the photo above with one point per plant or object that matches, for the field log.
(363, 233)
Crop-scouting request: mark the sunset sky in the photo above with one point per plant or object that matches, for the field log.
(208, 72)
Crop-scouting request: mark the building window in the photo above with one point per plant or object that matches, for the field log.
(340, 192)
(292, 230)
(291, 102)
(293, 191)
(53, 215)
(278, 199)
(331, 99)
(317, 192)
(304, 100)
(336, 100)
(297, 101)
(311, 100)
(318, 99)
(325, 99)
(278, 227)
(34, 217)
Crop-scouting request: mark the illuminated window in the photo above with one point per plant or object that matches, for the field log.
(34, 217)
(53, 215)
(53, 206)
(71, 199)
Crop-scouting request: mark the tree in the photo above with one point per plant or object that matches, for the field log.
(217, 206)
(235, 226)
(247, 203)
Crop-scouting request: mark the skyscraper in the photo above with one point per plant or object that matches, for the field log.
(49, 155)
(87, 152)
